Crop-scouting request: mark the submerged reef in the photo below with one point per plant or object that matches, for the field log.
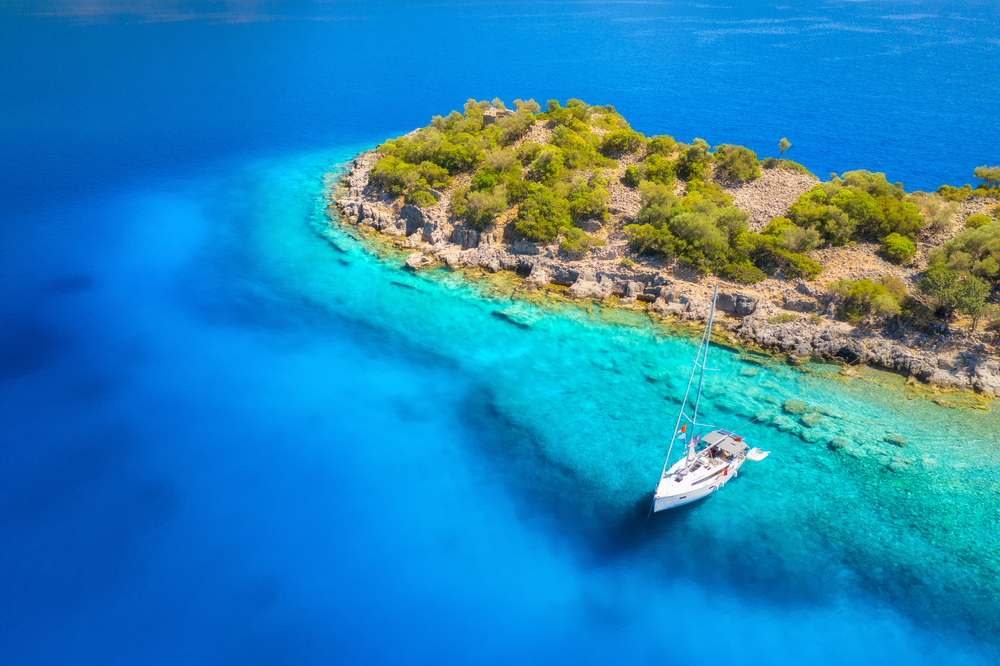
(855, 269)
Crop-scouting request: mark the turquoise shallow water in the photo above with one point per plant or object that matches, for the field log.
(570, 416)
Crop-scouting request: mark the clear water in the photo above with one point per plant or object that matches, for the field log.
(232, 434)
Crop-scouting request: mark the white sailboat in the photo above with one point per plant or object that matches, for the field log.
(713, 459)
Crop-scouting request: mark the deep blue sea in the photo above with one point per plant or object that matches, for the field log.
(230, 434)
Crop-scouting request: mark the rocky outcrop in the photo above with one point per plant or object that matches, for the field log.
(758, 315)
(770, 195)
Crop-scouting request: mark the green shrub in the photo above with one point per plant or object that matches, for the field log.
(897, 288)
(528, 152)
(632, 177)
(485, 180)
(793, 238)
(446, 123)
(937, 211)
(976, 220)
(421, 198)
(955, 193)
(479, 209)
(647, 239)
(711, 191)
(627, 263)
(940, 283)
(743, 271)
(983, 192)
(622, 141)
(787, 165)
(577, 243)
(548, 166)
(952, 291)
(864, 298)
(542, 215)
(797, 266)
(658, 169)
(736, 163)
(830, 221)
(975, 250)
(781, 319)
(900, 217)
(587, 202)
(393, 175)
(859, 204)
(661, 145)
(516, 126)
(694, 161)
(531, 105)
(899, 249)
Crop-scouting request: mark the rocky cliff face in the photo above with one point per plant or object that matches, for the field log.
(796, 317)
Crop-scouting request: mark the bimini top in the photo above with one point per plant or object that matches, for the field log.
(725, 441)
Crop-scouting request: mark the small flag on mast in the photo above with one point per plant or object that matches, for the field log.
(682, 434)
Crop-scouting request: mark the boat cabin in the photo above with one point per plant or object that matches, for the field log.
(723, 445)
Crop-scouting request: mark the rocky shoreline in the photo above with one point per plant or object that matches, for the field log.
(797, 318)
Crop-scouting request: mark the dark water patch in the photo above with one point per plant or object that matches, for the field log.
(402, 285)
(69, 284)
(611, 530)
(27, 344)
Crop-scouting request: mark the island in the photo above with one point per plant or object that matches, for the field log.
(574, 201)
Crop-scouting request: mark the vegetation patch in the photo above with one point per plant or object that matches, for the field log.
(557, 191)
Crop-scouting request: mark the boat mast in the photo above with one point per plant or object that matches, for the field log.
(699, 362)
(704, 356)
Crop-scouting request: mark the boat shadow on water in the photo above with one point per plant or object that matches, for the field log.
(704, 542)
(605, 529)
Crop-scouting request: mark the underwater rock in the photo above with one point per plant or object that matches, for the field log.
(795, 407)
(898, 465)
(810, 436)
(785, 424)
(748, 372)
(836, 443)
(811, 419)
(512, 316)
(897, 440)
(657, 376)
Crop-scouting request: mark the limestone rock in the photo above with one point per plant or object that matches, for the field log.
(811, 419)
(800, 305)
(897, 440)
(794, 407)
(597, 289)
(418, 260)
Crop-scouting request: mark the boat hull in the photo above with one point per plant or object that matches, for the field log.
(669, 495)
(687, 496)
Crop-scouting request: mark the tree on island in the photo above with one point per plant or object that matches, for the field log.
(783, 145)
(990, 174)
(967, 296)
(530, 105)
